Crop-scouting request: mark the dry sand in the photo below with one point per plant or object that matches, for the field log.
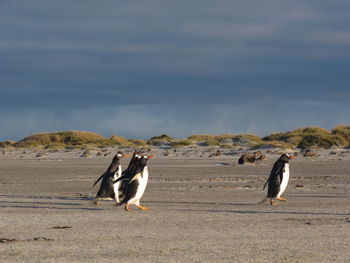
(202, 209)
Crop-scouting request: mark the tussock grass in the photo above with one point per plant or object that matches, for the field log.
(73, 139)
(7, 144)
(211, 142)
(200, 137)
(343, 131)
(66, 138)
(54, 146)
(318, 140)
(250, 139)
(180, 143)
(158, 140)
(303, 138)
(273, 144)
(309, 137)
(162, 137)
(237, 139)
(136, 143)
(203, 137)
(118, 140)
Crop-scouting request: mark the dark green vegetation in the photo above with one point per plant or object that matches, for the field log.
(180, 143)
(302, 138)
(313, 137)
(75, 139)
(159, 140)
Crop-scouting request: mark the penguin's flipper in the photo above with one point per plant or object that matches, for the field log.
(121, 178)
(126, 177)
(266, 184)
(275, 173)
(99, 179)
(135, 176)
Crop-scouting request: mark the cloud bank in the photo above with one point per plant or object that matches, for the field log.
(178, 67)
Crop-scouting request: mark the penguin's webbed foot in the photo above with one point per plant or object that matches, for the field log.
(142, 207)
(127, 207)
(273, 203)
(281, 199)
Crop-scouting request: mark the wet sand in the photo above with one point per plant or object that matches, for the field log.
(201, 210)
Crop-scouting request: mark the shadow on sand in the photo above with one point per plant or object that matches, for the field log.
(265, 212)
(50, 207)
(44, 205)
(197, 203)
(63, 198)
(241, 211)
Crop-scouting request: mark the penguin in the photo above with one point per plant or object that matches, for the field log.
(136, 184)
(278, 179)
(129, 171)
(108, 189)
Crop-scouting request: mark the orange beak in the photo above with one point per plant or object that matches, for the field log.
(125, 155)
(150, 156)
(292, 157)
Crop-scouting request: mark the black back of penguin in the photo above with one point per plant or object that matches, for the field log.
(140, 165)
(106, 189)
(112, 168)
(130, 171)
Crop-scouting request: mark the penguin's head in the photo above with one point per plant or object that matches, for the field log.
(120, 155)
(144, 159)
(286, 157)
(136, 154)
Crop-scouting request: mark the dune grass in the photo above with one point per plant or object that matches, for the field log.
(221, 140)
(181, 143)
(310, 137)
(273, 144)
(211, 142)
(303, 138)
(118, 140)
(250, 139)
(7, 144)
(75, 139)
(158, 140)
(317, 141)
(136, 143)
(343, 131)
(200, 137)
(65, 137)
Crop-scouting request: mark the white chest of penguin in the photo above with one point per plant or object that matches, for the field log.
(142, 180)
(285, 179)
(118, 173)
(115, 177)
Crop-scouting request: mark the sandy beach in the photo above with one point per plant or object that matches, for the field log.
(202, 209)
(215, 91)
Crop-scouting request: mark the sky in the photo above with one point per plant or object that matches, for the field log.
(144, 68)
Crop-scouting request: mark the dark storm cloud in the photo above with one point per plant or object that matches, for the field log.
(112, 59)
